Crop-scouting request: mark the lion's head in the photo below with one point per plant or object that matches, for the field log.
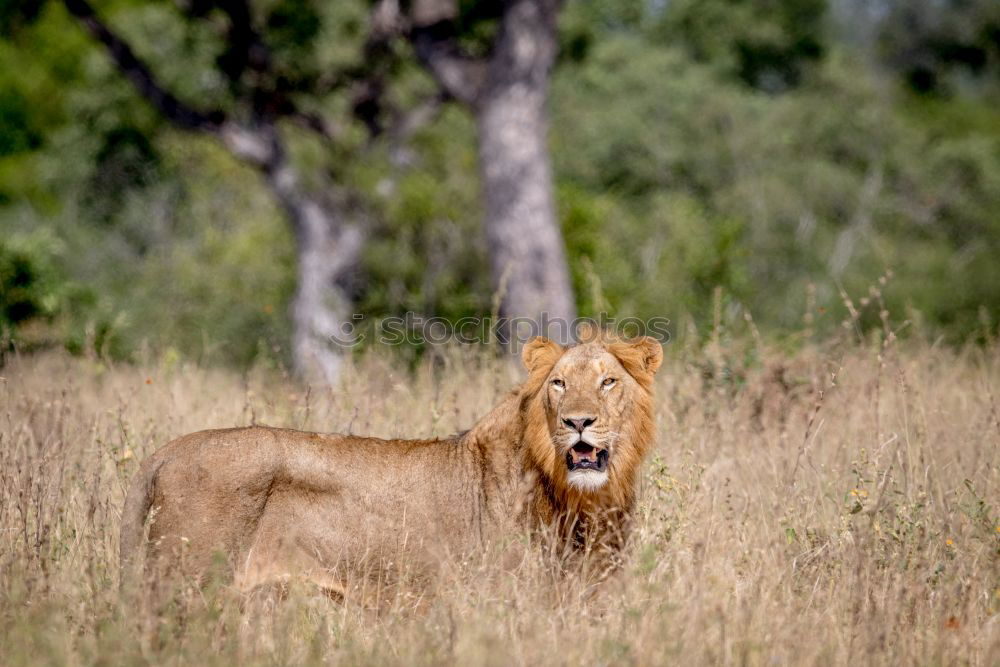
(588, 411)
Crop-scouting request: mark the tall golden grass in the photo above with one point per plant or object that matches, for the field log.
(835, 505)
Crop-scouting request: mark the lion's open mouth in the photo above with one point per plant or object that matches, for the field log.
(584, 456)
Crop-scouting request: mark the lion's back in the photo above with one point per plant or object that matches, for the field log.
(227, 489)
(211, 487)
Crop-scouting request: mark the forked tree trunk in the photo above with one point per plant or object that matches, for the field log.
(527, 255)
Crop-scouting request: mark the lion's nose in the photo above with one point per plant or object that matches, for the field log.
(579, 423)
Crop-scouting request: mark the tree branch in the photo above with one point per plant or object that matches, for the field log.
(270, 93)
(459, 75)
(245, 49)
(245, 46)
(318, 124)
(141, 76)
(435, 40)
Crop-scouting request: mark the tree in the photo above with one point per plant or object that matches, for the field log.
(263, 94)
(506, 90)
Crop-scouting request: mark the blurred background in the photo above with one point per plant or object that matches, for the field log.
(228, 181)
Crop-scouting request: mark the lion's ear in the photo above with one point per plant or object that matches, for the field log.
(652, 353)
(641, 357)
(540, 351)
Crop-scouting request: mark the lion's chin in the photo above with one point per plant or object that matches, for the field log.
(587, 480)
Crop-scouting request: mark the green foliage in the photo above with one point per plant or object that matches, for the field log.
(17, 131)
(198, 278)
(723, 144)
(766, 43)
(944, 48)
(704, 183)
(30, 285)
(38, 298)
(426, 253)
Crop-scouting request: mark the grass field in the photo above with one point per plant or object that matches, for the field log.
(837, 506)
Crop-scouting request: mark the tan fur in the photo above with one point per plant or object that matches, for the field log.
(338, 509)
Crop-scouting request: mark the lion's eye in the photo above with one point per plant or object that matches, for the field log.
(608, 382)
(558, 383)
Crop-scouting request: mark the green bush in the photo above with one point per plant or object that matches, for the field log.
(729, 155)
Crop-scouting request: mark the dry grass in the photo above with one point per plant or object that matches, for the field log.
(839, 506)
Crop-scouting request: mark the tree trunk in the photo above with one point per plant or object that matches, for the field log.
(507, 93)
(527, 256)
(328, 250)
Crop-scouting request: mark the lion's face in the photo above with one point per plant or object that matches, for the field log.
(592, 396)
(586, 397)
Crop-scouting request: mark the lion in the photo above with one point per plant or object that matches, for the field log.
(559, 456)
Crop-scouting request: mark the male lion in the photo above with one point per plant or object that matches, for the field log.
(558, 456)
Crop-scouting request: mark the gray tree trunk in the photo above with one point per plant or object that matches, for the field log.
(328, 249)
(328, 252)
(527, 255)
(507, 93)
